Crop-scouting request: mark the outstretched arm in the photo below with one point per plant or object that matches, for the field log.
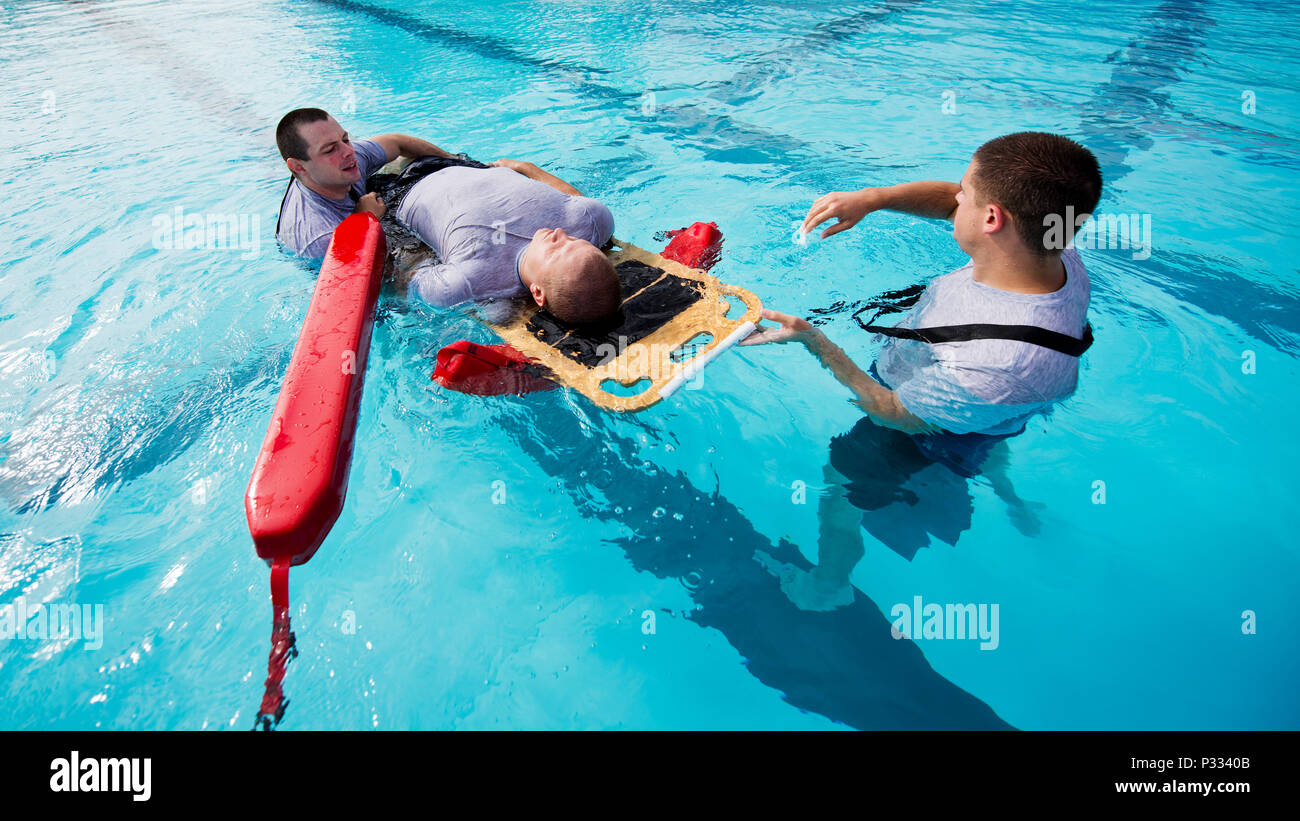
(932, 199)
(532, 172)
(402, 145)
(880, 403)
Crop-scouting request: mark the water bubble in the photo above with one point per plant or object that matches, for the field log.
(658, 513)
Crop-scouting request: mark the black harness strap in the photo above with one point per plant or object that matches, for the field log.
(894, 301)
(280, 214)
(283, 200)
(1032, 334)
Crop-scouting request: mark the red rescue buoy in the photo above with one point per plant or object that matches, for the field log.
(488, 370)
(699, 246)
(300, 478)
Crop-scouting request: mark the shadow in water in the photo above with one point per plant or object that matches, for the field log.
(843, 664)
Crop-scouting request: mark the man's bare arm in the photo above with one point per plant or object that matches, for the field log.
(404, 145)
(879, 402)
(931, 198)
(532, 172)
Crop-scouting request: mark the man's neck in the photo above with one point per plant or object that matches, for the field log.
(1019, 271)
(525, 267)
(336, 192)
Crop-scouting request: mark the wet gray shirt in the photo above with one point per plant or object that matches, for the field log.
(986, 385)
(480, 221)
(308, 220)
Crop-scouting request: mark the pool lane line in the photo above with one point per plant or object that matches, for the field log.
(217, 103)
(776, 64)
(1156, 60)
(480, 44)
(721, 137)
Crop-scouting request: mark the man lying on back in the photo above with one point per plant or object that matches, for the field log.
(505, 230)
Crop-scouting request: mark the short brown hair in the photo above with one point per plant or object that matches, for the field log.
(586, 295)
(1036, 176)
(287, 138)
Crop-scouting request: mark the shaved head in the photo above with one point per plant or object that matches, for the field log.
(570, 277)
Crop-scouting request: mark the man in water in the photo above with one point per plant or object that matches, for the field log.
(505, 230)
(1014, 213)
(329, 172)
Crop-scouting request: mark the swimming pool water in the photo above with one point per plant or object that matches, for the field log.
(500, 562)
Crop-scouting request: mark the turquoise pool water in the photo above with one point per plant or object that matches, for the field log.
(498, 561)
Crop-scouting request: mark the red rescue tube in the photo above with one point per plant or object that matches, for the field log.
(300, 478)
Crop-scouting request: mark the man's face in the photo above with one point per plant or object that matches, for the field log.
(556, 251)
(970, 223)
(331, 160)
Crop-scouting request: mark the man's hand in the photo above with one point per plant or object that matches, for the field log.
(517, 166)
(371, 204)
(789, 329)
(849, 207)
(880, 403)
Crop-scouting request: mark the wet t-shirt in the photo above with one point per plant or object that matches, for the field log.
(308, 219)
(986, 385)
(480, 221)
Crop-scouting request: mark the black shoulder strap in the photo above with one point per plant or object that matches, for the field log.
(352, 195)
(1032, 334)
(282, 201)
(887, 303)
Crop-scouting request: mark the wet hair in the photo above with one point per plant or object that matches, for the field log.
(287, 136)
(1035, 177)
(586, 294)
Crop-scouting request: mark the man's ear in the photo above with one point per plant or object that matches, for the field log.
(995, 219)
(538, 295)
(296, 166)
